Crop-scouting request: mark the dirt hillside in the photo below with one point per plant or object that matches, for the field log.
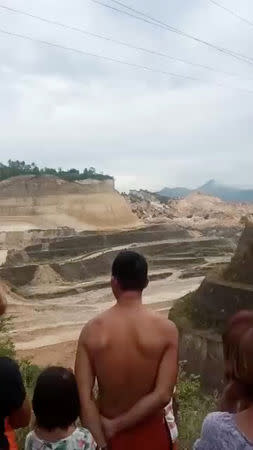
(197, 211)
(29, 202)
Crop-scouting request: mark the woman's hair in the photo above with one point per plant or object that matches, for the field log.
(56, 400)
(238, 359)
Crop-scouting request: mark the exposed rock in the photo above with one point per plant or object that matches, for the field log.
(196, 212)
(225, 291)
(241, 267)
(222, 293)
(203, 355)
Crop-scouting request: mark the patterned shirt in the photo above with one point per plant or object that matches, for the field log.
(80, 439)
(220, 432)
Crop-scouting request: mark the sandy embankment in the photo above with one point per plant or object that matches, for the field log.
(46, 319)
(47, 331)
(46, 324)
(49, 202)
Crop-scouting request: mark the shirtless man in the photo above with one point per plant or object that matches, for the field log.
(133, 354)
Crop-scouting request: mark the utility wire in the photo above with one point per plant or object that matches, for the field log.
(235, 14)
(114, 60)
(158, 23)
(109, 39)
(106, 58)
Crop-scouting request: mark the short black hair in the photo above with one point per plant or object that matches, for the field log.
(130, 270)
(56, 401)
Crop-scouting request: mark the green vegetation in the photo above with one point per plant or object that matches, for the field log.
(187, 315)
(193, 406)
(6, 345)
(181, 312)
(15, 168)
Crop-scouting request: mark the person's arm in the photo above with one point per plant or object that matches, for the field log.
(3, 301)
(85, 377)
(159, 397)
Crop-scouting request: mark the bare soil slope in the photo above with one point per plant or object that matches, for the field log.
(28, 202)
(198, 212)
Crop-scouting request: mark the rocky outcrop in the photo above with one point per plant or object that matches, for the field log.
(241, 267)
(202, 354)
(225, 292)
(205, 312)
(199, 212)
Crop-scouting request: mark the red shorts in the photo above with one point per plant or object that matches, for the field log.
(152, 434)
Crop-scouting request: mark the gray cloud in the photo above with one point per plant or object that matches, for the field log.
(63, 109)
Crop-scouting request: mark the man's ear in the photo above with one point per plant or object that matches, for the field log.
(114, 283)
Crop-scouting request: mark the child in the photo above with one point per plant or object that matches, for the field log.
(232, 428)
(56, 407)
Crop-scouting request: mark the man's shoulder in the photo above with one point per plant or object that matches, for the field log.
(94, 332)
(165, 326)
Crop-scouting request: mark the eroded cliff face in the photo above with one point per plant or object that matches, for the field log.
(202, 352)
(241, 268)
(201, 316)
(44, 202)
(229, 290)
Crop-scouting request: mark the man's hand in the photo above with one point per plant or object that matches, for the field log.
(109, 426)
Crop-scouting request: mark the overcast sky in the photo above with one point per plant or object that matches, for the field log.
(63, 109)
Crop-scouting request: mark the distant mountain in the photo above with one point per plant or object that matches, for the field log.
(212, 187)
(227, 193)
(177, 192)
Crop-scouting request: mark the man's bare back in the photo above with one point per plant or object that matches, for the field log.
(130, 351)
(126, 345)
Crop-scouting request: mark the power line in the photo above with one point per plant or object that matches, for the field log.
(169, 27)
(106, 58)
(235, 14)
(109, 39)
(114, 60)
(158, 23)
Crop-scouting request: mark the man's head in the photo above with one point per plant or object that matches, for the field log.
(129, 273)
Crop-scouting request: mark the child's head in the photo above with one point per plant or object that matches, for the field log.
(56, 400)
(235, 339)
(238, 359)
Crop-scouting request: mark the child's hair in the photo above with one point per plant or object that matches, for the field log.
(56, 401)
(238, 359)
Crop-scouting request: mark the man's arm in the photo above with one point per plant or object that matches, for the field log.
(159, 397)
(85, 377)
